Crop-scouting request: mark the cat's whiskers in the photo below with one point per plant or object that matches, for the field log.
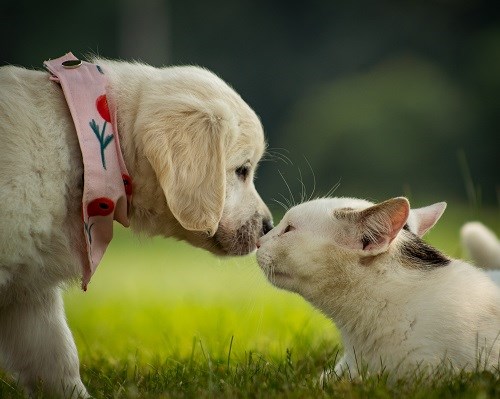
(292, 198)
(302, 187)
(333, 189)
(286, 203)
(290, 202)
(285, 207)
(271, 275)
(314, 180)
(278, 155)
(287, 200)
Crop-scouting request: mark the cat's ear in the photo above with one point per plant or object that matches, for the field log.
(421, 220)
(381, 223)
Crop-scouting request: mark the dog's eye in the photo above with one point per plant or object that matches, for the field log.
(243, 171)
(288, 229)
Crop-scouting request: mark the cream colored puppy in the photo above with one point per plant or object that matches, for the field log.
(191, 145)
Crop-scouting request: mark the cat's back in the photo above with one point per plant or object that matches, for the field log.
(459, 289)
(456, 310)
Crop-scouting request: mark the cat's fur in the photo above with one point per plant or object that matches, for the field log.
(399, 304)
(481, 244)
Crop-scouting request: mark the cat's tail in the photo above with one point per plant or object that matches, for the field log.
(481, 244)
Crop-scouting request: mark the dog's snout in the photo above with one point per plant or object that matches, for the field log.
(267, 225)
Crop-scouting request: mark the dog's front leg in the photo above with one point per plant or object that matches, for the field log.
(36, 344)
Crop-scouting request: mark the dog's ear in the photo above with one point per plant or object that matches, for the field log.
(186, 146)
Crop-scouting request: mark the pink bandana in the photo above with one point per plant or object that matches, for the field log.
(107, 186)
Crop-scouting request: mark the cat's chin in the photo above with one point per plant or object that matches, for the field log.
(276, 277)
(280, 279)
(279, 274)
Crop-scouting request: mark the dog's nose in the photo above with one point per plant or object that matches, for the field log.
(267, 226)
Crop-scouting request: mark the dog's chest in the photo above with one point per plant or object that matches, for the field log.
(41, 190)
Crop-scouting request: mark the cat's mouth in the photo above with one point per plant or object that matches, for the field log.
(268, 266)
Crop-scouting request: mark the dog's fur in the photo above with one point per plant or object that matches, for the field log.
(399, 303)
(191, 146)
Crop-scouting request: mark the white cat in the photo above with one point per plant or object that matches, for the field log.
(399, 304)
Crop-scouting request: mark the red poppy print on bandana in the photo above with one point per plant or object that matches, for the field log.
(103, 109)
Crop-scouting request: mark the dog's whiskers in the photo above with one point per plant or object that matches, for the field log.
(274, 155)
(245, 237)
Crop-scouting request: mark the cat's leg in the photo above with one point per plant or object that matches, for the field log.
(37, 345)
(341, 369)
(338, 371)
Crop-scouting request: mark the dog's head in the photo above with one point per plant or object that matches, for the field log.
(196, 147)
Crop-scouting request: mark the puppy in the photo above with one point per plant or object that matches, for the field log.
(191, 146)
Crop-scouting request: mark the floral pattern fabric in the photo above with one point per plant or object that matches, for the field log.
(107, 185)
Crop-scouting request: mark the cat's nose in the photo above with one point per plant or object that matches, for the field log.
(267, 226)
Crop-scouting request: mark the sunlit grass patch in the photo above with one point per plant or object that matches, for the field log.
(293, 375)
(156, 299)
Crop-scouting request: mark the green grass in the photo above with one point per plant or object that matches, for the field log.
(162, 319)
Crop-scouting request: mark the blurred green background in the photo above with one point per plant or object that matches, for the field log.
(385, 97)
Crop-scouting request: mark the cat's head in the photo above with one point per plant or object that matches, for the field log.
(333, 239)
